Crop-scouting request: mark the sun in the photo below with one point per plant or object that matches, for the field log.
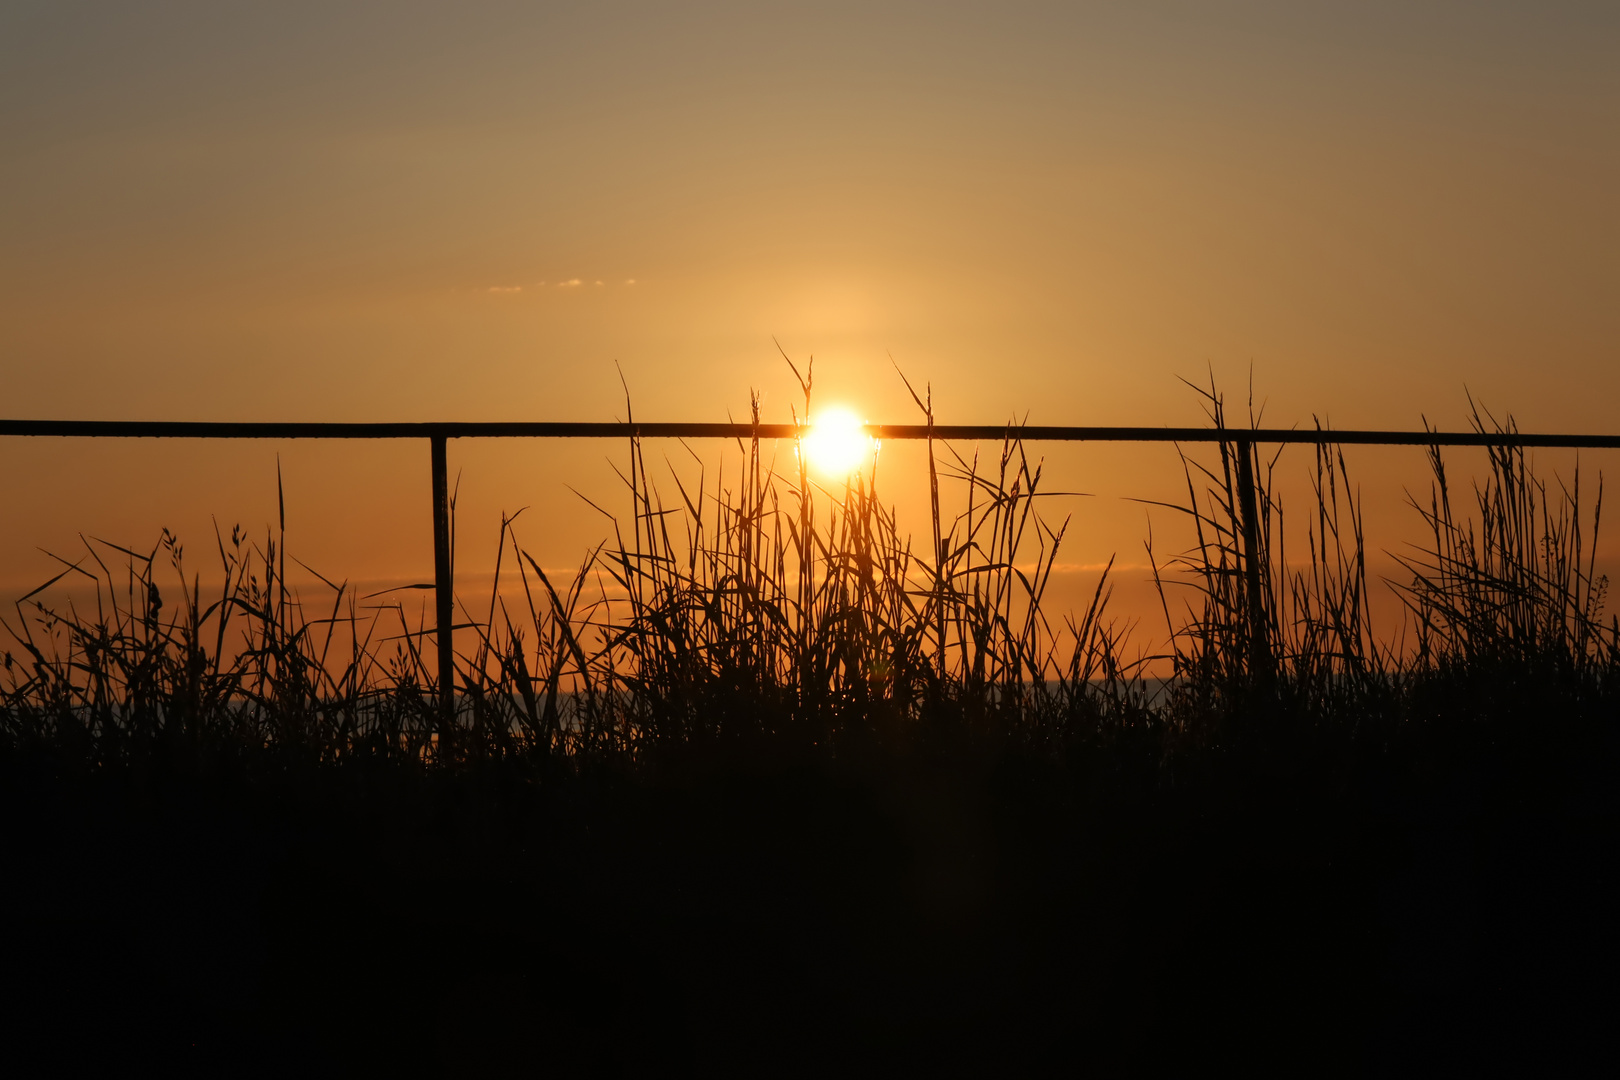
(836, 445)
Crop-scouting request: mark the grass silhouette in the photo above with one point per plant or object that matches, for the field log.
(768, 784)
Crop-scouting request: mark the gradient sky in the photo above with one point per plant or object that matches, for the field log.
(379, 211)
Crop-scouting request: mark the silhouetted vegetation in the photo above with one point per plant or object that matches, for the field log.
(771, 784)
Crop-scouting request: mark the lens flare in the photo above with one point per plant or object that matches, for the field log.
(835, 445)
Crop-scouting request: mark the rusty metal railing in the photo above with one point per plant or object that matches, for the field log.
(439, 434)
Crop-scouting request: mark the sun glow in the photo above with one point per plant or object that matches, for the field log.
(836, 446)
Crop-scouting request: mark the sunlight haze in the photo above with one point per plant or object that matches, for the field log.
(488, 210)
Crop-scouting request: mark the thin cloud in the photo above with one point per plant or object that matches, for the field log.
(569, 284)
(505, 288)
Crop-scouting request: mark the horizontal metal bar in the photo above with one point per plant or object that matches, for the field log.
(164, 429)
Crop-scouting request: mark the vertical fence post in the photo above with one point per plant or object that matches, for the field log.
(1259, 645)
(442, 589)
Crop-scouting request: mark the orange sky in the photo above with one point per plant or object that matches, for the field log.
(238, 211)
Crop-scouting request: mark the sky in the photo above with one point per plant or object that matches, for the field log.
(417, 211)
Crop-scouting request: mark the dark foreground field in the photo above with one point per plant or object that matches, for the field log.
(1445, 905)
(794, 791)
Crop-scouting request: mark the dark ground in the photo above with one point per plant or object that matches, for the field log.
(1442, 907)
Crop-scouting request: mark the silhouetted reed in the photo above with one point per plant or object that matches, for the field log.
(759, 612)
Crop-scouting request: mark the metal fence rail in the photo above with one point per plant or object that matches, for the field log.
(1243, 439)
(167, 429)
